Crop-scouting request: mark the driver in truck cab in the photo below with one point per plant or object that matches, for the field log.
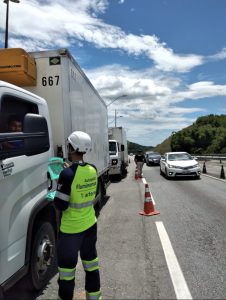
(14, 125)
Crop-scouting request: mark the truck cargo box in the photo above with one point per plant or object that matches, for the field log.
(74, 104)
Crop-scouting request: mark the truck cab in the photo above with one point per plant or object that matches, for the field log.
(28, 221)
(116, 158)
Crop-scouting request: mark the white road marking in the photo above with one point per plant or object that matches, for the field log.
(152, 198)
(177, 277)
(219, 179)
(144, 180)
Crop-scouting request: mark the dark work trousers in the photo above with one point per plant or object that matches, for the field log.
(68, 247)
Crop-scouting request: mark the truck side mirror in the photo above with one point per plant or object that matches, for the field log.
(122, 147)
(36, 134)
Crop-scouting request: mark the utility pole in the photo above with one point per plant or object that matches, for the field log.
(7, 20)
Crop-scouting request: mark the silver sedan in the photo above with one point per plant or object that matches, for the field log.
(174, 164)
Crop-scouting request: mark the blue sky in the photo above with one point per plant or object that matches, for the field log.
(167, 56)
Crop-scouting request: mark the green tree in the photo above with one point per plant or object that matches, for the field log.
(206, 135)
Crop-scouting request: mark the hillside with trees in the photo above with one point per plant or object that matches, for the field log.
(165, 146)
(206, 136)
(133, 147)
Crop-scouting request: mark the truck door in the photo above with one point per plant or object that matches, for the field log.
(23, 168)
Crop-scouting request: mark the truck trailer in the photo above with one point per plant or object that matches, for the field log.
(52, 96)
(118, 151)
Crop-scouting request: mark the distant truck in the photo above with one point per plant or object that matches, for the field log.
(57, 98)
(118, 151)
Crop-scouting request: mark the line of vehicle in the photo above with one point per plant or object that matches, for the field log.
(180, 286)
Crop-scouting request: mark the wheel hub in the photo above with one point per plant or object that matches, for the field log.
(44, 255)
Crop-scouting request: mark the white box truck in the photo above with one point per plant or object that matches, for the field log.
(118, 151)
(56, 99)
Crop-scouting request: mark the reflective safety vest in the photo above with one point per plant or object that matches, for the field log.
(80, 214)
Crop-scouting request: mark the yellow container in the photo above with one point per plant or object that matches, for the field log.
(17, 67)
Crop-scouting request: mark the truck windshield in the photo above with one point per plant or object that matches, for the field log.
(112, 148)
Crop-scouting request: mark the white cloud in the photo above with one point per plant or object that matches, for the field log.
(184, 110)
(200, 90)
(153, 100)
(166, 60)
(219, 56)
(58, 23)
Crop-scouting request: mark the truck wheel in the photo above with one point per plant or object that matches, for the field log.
(42, 256)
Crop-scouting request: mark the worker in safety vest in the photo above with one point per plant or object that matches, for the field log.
(76, 191)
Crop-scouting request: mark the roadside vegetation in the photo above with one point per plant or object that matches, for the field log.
(165, 146)
(206, 136)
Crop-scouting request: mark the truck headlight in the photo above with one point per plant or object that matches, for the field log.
(114, 161)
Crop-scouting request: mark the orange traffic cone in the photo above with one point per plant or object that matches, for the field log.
(149, 209)
(136, 174)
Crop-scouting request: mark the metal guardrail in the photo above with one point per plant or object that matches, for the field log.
(210, 156)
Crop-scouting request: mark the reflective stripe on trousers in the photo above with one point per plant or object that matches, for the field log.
(91, 265)
(94, 295)
(66, 274)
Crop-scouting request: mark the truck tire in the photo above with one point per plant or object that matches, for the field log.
(43, 255)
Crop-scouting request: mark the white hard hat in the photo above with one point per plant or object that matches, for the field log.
(80, 141)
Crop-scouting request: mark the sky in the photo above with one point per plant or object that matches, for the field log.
(162, 63)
